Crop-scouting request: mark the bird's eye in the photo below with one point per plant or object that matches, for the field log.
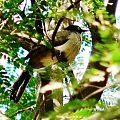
(78, 28)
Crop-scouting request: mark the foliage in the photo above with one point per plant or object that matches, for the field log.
(107, 54)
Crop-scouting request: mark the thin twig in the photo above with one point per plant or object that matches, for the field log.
(3, 23)
(46, 32)
(100, 90)
(22, 110)
(56, 29)
(68, 87)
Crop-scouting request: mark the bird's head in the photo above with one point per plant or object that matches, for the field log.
(75, 28)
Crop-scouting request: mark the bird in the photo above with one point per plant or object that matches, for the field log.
(66, 44)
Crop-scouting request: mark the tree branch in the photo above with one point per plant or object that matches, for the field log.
(62, 18)
(24, 39)
(3, 117)
(111, 6)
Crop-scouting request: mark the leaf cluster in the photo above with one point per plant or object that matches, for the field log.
(107, 54)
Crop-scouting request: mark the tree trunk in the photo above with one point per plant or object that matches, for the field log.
(45, 99)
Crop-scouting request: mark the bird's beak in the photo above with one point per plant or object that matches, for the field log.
(84, 30)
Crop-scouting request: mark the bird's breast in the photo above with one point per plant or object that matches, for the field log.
(71, 47)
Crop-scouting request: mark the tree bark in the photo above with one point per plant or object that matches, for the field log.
(111, 6)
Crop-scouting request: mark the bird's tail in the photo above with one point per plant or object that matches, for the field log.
(19, 86)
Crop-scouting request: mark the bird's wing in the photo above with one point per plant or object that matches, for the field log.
(36, 51)
(61, 38)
